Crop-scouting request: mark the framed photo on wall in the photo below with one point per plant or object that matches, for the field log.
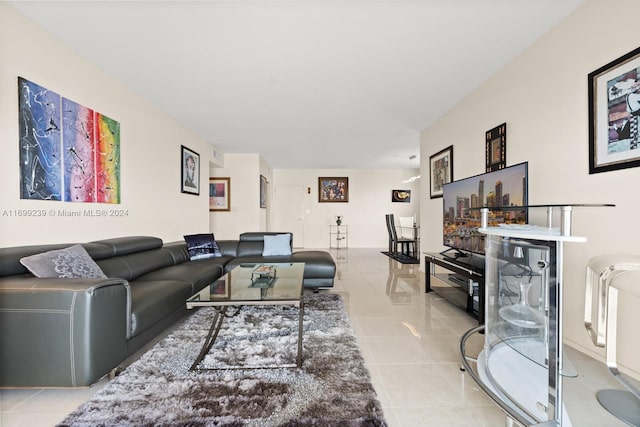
(331, 189)
(263, 192)
(496, 148)
(440, 171)
(219, 194)
(190, 182)
(400, 196)
(614, 111)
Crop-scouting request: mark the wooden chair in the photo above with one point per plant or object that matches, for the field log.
(408, 245)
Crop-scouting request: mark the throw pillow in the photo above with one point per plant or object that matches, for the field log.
(278, 244)
(202, 246)
(67, 263)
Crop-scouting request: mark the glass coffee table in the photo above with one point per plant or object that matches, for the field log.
(251, 284)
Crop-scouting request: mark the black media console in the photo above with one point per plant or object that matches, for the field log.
(458, 279)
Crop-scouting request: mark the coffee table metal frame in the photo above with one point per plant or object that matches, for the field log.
(222, 307)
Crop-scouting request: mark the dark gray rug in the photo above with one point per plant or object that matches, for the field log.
(333, 388)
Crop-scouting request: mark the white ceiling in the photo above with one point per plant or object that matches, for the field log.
(305, 83)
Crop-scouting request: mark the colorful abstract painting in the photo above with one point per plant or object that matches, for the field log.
(107, 159)
(40, 160)
(78, 145)
(68, 152)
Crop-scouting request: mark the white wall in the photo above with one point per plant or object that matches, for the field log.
(369, 201)
(150, 148)
(244, 171)
(542, 96)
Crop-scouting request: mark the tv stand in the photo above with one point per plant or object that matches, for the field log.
(456, 253)
(459, 280)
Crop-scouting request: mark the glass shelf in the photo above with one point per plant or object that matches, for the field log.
(551, 205)
(338, 236)
(534, 231)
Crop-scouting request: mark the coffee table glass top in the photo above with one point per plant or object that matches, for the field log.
(253, 282)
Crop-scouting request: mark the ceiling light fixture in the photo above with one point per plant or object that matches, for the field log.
(413, 178)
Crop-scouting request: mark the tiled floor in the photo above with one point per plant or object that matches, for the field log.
(410, 343)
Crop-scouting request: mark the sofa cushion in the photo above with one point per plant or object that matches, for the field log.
(280, 244)
(251, 248)
(198, 273)
(130, 244)
(317, 264)
(133, 265)
(228, 247)
(177, 250)
(68, 263)
(202, 246)
(153, 300)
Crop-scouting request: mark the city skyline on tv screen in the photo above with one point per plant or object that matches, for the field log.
(501, 188)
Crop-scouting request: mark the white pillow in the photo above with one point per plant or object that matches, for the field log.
(68, 263)
(277, 244)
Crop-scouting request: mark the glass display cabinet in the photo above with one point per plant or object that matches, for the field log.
(338, 236)
(522, 365)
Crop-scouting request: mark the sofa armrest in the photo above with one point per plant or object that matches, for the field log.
(61, 332)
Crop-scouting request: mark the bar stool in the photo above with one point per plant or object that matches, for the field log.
(607, 276)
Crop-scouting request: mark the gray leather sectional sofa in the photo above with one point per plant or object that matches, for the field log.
(71, 332)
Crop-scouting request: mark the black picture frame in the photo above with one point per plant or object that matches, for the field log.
(263, 192)
(333, 189)
(189, 171)
(496, 148)
(614, 114)
(401, 196)
(219, 194)
(440, 171)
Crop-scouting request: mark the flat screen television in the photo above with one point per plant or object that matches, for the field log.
(504, 187)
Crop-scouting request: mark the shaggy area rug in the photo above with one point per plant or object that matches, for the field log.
(333, 387)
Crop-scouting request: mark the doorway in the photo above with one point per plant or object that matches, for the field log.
(288, 212)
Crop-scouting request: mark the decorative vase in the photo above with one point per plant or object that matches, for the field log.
(522, 314)
(338, 221)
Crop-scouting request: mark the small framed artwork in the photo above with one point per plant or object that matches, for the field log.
(263, 192)
(440, 171)
(496, 148)
(614, 111)
(400, 196)
(333, 189)
(219, 289)
(219, 194)
(190, 182)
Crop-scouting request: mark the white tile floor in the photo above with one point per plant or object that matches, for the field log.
(410, 343)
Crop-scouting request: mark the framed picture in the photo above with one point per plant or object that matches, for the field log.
(263, 191)
(614, 108)
(333, 189)
(496, 148)
(219, 289)
(190, 182)
(400, 196)
(440, 170)
(219, 194)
